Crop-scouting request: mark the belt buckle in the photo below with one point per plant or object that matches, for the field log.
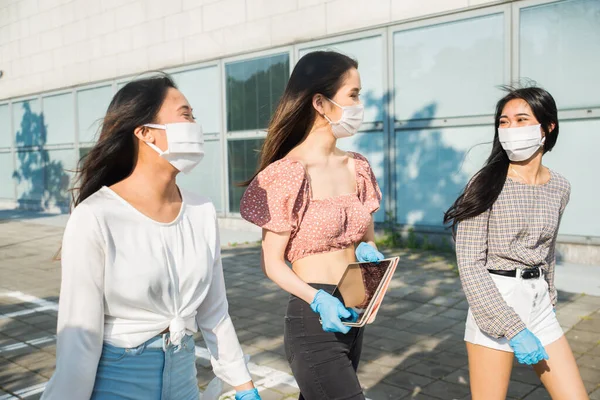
(530, 273)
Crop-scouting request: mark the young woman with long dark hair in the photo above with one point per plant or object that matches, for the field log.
(315, 204)
(141, 265)
(505, 224)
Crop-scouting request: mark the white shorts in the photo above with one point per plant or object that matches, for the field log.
(531, 301)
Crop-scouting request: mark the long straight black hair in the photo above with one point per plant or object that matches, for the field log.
(114, 155)
(485, 187)
(318, 72)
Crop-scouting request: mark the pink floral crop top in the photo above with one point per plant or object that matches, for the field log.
(279, 200)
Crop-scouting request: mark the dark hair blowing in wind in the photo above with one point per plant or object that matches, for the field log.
(485, 187)
(113, 157)
(319, 72)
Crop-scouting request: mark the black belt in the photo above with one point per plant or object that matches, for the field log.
(529, 273)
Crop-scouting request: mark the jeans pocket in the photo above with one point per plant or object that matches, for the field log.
(291, 331)
(112, 353)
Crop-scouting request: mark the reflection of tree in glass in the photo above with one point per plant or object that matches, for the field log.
(253, 91)
(45, 181)
(426, 168)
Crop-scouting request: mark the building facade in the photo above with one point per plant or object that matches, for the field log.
(431, 74)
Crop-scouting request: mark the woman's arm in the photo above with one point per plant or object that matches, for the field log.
(81, 308)
(274, 266)
(369, 236)
(492, 314)
(214, 322)
(551, 258)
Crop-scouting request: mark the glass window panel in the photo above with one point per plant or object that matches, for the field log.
(58, 176)
(574, 156)
(201, 88)
(43, 178)
(454, 67)
(5, 135)
(59, 119)
(560, 50)
(83, 151)
(243, 160)
(369, 54)
(250, 103)
(432, 168)
(91, 108)
(7, 184)
(30, 176)
(370, 145)
(235, 92)
(28, 124)
(205, 179)
(253, 90)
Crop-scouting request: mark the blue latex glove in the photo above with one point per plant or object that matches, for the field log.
(367, 253)
(332, 311)
(251, 394)
(528, 348)
(353, 316)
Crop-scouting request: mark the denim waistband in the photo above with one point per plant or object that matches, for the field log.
(157, 342)
(161, 342)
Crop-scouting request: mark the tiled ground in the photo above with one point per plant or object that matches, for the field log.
(414, 350)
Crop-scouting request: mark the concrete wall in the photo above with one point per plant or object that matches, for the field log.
(48, 44)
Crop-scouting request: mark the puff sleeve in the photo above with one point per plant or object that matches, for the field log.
(276, 197)
(368, 189)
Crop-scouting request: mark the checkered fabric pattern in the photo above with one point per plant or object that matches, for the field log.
(518, 231)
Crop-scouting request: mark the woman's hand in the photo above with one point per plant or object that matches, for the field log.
(251, 394)
(367, 253)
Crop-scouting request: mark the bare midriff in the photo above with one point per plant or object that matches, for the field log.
(325, 268)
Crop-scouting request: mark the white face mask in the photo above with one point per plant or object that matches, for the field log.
(521, 143)
(352, 118)
(185, 144)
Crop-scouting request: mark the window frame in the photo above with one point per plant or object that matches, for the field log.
(246, 134)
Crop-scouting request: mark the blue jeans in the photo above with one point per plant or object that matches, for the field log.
(150, 371)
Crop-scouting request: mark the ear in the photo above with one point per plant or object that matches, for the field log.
(144, 134)
(551, 127)
(317, 102)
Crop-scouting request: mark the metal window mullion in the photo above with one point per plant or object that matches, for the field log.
(443, 122)
(579, 114)
(508, 44)
(244, 135)
(76, 122)
(13, 148)
(223, 130)
(388, 126)
(43, 147)
(515, 42)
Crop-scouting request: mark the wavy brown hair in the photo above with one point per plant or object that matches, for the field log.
(319, 72)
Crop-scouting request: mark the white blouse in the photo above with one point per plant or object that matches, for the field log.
(126, 278)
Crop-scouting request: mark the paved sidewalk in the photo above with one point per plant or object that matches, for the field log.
(413, 351)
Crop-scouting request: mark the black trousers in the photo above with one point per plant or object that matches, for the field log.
(323, 363)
